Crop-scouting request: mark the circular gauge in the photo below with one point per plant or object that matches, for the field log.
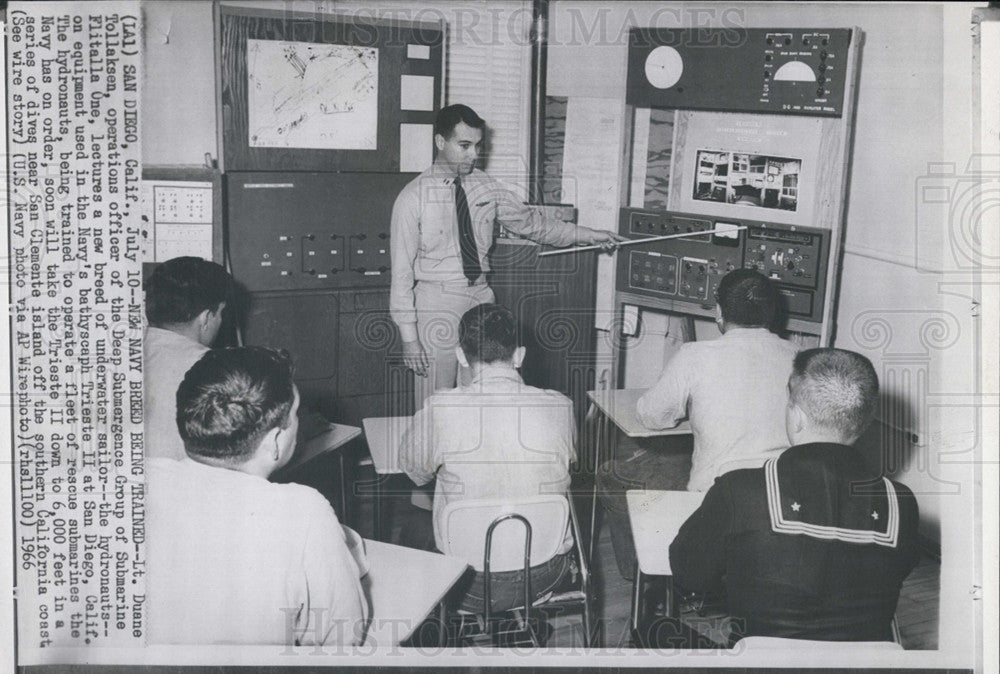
(664, 67)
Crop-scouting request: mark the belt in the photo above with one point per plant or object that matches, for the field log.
(464, 283)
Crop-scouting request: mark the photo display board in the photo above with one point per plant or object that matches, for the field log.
(737, 128)
(751, 166)
(324, 93)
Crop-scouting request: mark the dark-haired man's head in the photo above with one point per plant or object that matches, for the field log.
(187, 295)
(237, 408)
(832, 396)
(451, 116)
(487, 335)
(746, 299)
(458, 138)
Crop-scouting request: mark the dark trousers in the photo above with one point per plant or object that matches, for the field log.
(507, 587)
(657, 463)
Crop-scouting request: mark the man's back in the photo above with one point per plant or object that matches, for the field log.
(734, 391)
(235, 559)
(812, 546)
(167, 356)
(496, 438)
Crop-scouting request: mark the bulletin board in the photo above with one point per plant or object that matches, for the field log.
(181, 213)
(315, 92)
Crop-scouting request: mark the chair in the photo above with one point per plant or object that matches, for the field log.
(495, 535)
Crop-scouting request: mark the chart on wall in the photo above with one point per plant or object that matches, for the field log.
(305, 91)
(322, 96)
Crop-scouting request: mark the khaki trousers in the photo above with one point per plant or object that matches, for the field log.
(440, 307)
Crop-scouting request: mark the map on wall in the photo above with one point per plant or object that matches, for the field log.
(308, 95)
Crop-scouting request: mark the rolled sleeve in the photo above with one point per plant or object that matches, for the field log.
(403, 244)
(527, 222)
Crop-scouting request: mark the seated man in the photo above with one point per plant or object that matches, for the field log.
(185, 298)
(733, 390)
(494, 438)
(814, 545)
(233, 558)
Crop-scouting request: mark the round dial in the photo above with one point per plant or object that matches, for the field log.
(664, 67)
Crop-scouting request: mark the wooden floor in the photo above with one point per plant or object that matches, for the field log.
(916, 614)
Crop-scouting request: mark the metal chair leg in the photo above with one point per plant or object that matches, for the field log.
(671, 606)
(377, 507)
(601, 433)
(345, 509)
(636, 597)
(442, 628)
(593, 526)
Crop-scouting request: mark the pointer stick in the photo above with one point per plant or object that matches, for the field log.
(560, 251)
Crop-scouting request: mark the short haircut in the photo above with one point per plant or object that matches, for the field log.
(231, 398)
(449, 117)
(180, 289)
(488, 333)
(748, 298)
(837, 389)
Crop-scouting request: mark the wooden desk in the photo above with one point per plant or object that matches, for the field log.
(404, 585)
(329, 439)
(619, 407)
(384, 435)
(656, 517)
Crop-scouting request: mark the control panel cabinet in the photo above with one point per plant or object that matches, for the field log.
(313, 251)
(776, 71)
(686, 271)
(311, 231)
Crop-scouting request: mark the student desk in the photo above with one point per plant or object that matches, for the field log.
(618, 407)
(384, 435)
(324, 438)
(656, 517)
(404, 586)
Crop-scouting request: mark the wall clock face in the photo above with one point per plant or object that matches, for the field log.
(664, 67)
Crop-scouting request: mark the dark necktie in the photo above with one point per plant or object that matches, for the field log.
(466, 239)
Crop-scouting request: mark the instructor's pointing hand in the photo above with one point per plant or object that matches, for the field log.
(608, 241)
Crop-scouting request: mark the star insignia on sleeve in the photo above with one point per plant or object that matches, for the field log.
(796, 506)
(875, 515)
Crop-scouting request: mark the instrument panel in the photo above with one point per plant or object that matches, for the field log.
(311, 231)
(687, 269)
(779, 71)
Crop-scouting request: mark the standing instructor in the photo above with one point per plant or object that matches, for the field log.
(442, 230)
